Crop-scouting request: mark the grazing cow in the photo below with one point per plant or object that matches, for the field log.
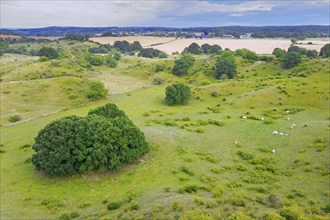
(275, 132)
(244, 117)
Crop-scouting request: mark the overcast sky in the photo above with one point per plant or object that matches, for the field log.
(167, 13)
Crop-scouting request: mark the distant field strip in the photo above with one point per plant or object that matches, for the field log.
(171, 45)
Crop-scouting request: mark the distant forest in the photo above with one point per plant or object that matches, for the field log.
(303, 31)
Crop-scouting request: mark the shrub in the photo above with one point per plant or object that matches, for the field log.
(215, 94)
(134, 206)
(110, 61)
(65, 216)
(291, 213)
(113, 206)
(96, 90)
(14, 118)
(74, 215)
(43, 59)
(48, 52)
(159, 68)
(191, 188)
(177, 94)
(102, 140)
(157, 81)
(187, 171)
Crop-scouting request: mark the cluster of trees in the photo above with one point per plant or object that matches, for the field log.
(177, 94)
(151, 53)
(293, 56)
(182, 65)
(111, 59)
(104, 140)
(23, 40)
(125, 47)
(194, 48)
(104, 49)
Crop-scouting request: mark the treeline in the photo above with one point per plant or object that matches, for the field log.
(259, 32)
(293, 56)
(23, 40)
(194, 48)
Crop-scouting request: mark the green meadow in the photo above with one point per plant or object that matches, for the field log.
(214, 158)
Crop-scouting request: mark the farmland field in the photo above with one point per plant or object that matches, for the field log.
(171, 45)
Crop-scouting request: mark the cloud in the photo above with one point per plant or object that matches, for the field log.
(199, 7)
(39, 13)
(80, 13)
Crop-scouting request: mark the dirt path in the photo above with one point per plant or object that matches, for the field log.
(257, 63)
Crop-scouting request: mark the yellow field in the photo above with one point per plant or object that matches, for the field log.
(170, 45)
(145, 41)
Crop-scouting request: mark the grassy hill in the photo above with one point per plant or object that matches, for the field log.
(206, 161)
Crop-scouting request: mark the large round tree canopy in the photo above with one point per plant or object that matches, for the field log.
(104, 140)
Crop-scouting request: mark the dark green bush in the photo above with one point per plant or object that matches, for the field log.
(191, 188)
(14, 118)
(74, 215)
(113, 206)
(177, 94)
(104, 140)
(48, 52)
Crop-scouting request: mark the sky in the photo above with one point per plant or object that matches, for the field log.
(165, 13)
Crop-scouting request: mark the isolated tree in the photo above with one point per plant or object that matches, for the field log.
(48, 52)
(325, 51)
(279, 53)
(177, 94)
(80, 144)
(182, 65)
(291, 59)
(226, 65)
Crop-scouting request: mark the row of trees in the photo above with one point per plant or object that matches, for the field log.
(104, 140)
(125, 47)
(194, 48)
(152, 53)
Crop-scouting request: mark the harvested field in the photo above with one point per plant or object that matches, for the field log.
(260, 46)
(47, 38)
(316, 44)
(170, 45)
(3, 36)
(145, 41)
